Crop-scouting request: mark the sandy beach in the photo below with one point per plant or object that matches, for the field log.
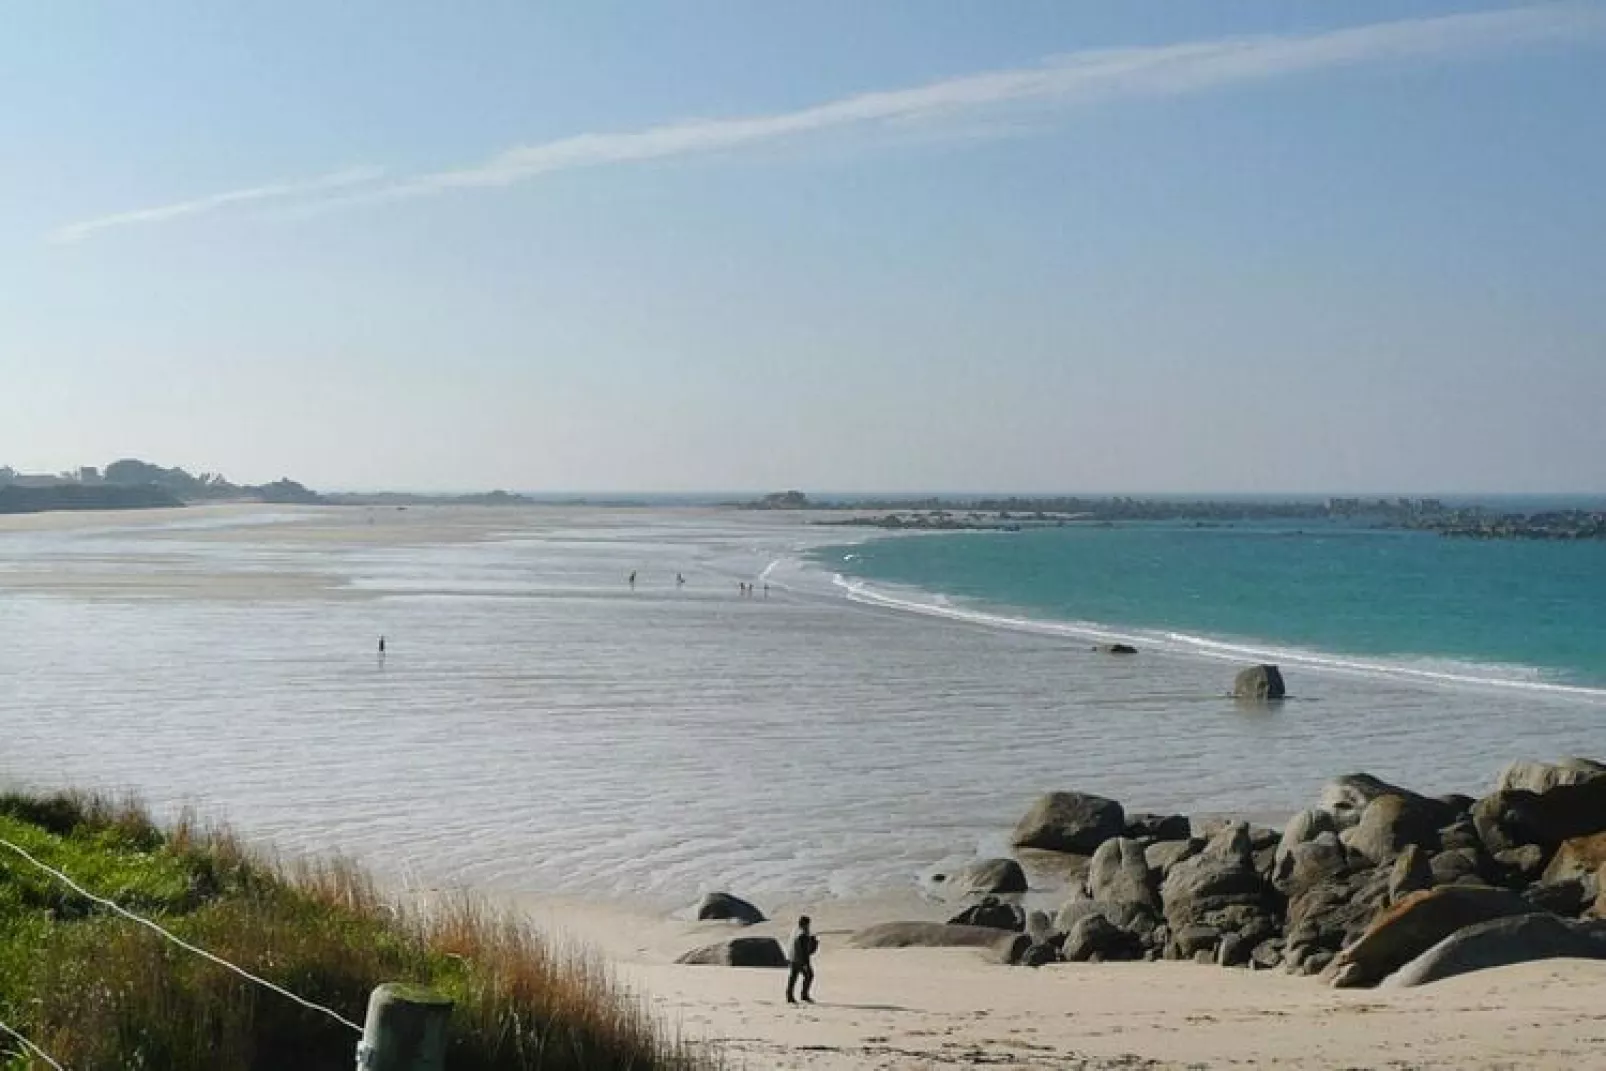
(916, 1009)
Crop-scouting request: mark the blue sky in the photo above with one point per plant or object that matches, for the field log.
(1026, 246)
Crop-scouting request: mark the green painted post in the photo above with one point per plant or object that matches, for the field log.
(405, 1029)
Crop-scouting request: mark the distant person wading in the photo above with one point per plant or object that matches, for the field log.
(804, 945)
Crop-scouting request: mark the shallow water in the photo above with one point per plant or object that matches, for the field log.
(539, 727)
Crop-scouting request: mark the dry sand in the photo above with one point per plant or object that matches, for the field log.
(910, 1009)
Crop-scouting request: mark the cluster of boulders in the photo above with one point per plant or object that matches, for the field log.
(1370, 879)
(1375, 883)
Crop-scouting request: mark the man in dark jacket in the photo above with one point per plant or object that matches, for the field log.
(804, 944)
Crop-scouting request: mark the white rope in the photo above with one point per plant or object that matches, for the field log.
(32, 1048)
(203, 953)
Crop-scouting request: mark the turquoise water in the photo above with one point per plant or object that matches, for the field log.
(1514, 611)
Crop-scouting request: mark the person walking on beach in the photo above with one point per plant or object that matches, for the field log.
(804, 945)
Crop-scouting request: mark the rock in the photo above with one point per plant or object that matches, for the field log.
(1310, 863)
(1390, 823)
(1115, 648)
(1541, 777)
(1576, 857)
(992, 913)
(1569, 896)
(738, 952)
(1461, 866)
(1501, 942)
(1505, 821)
(1456, 804)
(1191, 940)
(1417, 923)
(1163, 855)
(1160, 827)
(1069, 822)
(1335, 912)
(1317, 962)
(1096, 936)
(1304, 827)
(1511, 819)
(1346, 799)
(1038, 954)
(1259, 683)
(1005, 947)
(1039, 926)
(989, 876)
(1233, 951)
(1410, 873)
(1134, 917)
(1268, 954)
(1119, 874)
(1524, 864)
(724, 906)
(1461, 834)
(1200, 889)
(1599, 910)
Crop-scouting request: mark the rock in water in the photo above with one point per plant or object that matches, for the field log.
(1417, 923)
(1259, 682)
(738, 952)
(1115, 648)
(989, 876)
(1501, 942)
(722, 905)
(1069, 822)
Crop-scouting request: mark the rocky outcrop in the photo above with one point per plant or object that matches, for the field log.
(992, 913)
(724, 906)
(1069, 822)
(1577, 857)
(1541, 777)
(1119, 874)
(1221, 888)
(738, 952)
(988, 876)
(1259, 683)
(1096, 939)
(1500, 943)
(1346, 799)
(1417, 923)
(1390, 823)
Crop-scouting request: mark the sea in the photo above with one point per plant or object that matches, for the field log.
(880, 707)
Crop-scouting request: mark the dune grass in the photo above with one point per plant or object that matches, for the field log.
(97, 991)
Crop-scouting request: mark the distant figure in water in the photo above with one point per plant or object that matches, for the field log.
(766, 591)
(680, 581)
(801, 953)
(632, 578)
(381, 647)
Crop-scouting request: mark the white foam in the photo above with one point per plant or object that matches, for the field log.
(1426, 670)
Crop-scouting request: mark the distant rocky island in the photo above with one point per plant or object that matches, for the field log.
(1014, 513)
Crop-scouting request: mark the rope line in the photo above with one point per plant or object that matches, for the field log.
(31, 1048)
(203, 953)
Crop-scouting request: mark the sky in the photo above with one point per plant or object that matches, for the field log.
(719, 244)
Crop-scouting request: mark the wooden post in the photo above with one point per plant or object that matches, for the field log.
(405, 1029)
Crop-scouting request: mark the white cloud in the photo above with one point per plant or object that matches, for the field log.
(1077, 78)
(335, 180)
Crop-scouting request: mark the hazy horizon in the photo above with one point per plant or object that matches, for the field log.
(1133, 249)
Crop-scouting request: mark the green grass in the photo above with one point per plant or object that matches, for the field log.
(97, 991)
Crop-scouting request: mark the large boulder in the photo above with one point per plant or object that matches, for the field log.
(1096, 938)
(1513, 819)
(1346, 799)
(1259, 683)
(1577, 857)
(1119, 874)
(1006, 947)
(1329, 915)
(987, 876)
(724, 906)
(1307, 864)
(1389, 824)
(1074, 822)
(1501, 942)
(738, 952)
(992, 913)
(1541, 777)
(1418, 922)
(1221, 888)
(1569, 896)
(1131, 916)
